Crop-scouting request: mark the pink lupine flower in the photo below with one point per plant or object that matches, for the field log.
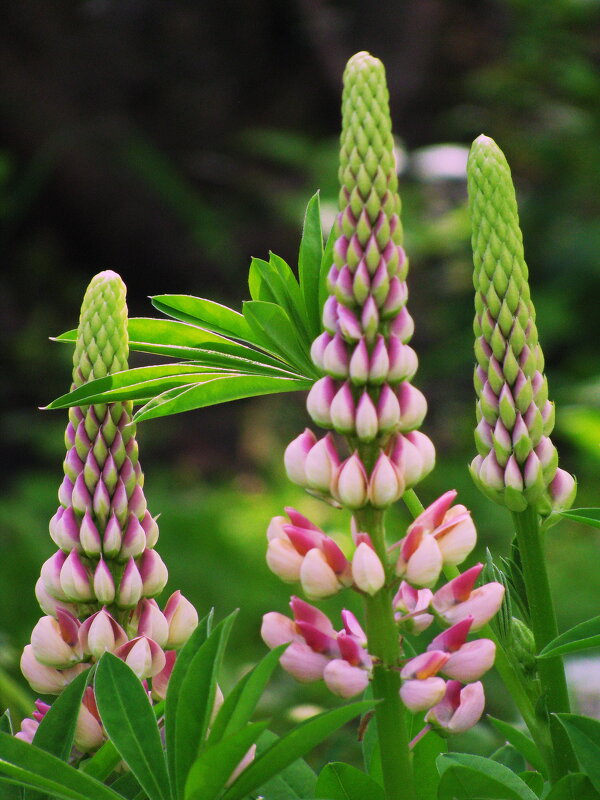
(55, 642)
(468, 661)
(143, 655)
(295, 456)
(367, 570)
(101, 633)
(351, 485)
(458, 599)
(410, 605)
(460, 708)
(420, 559)
(343, 679)
(419, 695)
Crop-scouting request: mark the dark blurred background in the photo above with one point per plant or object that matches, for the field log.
(171, 141)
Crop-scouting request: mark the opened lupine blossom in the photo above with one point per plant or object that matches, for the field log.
(517, 463)
(98, 589)
(367, 398)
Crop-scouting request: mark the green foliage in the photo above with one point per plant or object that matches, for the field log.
(582, 637)
(475, 778)
(339, 781)
(584, 734)
(521, 742)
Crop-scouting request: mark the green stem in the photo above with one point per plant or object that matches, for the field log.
(384, 645)
(543, 624)
(511, 678)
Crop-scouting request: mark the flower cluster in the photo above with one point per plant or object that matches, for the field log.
(368, 404)
(98, 589)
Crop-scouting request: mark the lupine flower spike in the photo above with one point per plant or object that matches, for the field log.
(517, 464)
(366, 396)
(97, 590)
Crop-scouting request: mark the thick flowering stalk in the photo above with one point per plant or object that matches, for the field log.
(372, 454)
(98, 589)
(517, 464)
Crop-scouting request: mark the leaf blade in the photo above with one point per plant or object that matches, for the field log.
(310, 257)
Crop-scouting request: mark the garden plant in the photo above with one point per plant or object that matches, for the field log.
(138, 712)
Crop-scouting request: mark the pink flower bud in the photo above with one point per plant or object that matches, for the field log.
(418, 695)
(28, 730)
(119, 505)
(471, 660)
(369, 319)
(277, 629)
(75, 579)
(413, 406)
(330, 315)
(410, 604)
(352, 487)
(388, 410)
(316, 576)
(460, 708)
(143, 656)
(113, 537)
(47, 680)
(367, 570)
(153, 623)
(403, 361)
(101, 633)
(343, 287)
(343, 679)
(366, 419)
(403, 326)
(491, 473)
(182, 618)
(50, 575)
(385, 484)
(512, 474)
(150, 527)
(295, 457)
(53, 646)
(335, 358)
(348, 324)
(379, 363)
(342, 410)
(284, 560)
(426, 449)
(303, 663)
(317, 350)
(420, 560)
(80, 499)
(305, 612)
(89, 537)
(89, 734)
(562, 490)
(153, 572)
(359, 364)
(456, 535)
(49, 604)
(396, 298)
(380, 284)
(104, 584)
(275, 529)
(458, 599)
(160, 682)
(134, 539)
(321, 464)
(131, 585)
(361, 283)
(353, 628)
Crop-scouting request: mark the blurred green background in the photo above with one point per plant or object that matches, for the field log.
(172, 141)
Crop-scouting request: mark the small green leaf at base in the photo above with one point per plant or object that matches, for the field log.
(584, 734)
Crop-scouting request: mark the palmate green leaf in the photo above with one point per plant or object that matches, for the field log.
(521, 742)
(182, 664)
(166, 337)
(339, 781)
(289, 295)
(586, 516)
(241, 703)
(582, 637)
(197, 692)
(34, 768)
(206, 314)
(476, 778)
(129, 721)
(573, 787)
(218, 390)
(309, 263)
(584, 734)
(282, 335)
(214, 766)
(294, 745)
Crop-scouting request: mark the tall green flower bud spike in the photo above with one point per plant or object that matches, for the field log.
(517, 465)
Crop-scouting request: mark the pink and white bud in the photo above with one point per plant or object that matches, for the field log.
(361, 283)
(366, 421)
(113, 537)
(80, 499)
(403, 361)
(28, 730)
(419, 695)
(49, 604)
(303, 663)
(342, 410)
(275, 529)
(131, 585)
(460, 708)
(367, 570)
(379, 363)
(457, 600)
(403, 326)
(89, 734)
(413, 406)
(154, 573)
(101, 633)
(456, 535)
(153, 623)
(182, 618)
(388, 410)
(305, 612)
(143, 656)
(277, 629)
(491, 473)
(343, 287)
(345, 680)
(75, 579)
(50, 575)
(319, 400)
(562, 490)
(335, 359)
(348, 324)
(410, 605)
(471, 661)
(89, 537)
(56, 645)
(420, 559)
(369, 318)
(284, 560)
(359, 364)
(295, 457)
(330, 315)
(396, 298)
(426, 449)
(150, 527)
(385, 484)
(316, 576)
(65, 530)
(317, 350)
(104, 584)
(134, 539)
(351, 486)
(321, 465)
(44, 679)
(160, 682)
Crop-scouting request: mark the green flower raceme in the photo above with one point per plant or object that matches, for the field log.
(517, 465)
(98, 589)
